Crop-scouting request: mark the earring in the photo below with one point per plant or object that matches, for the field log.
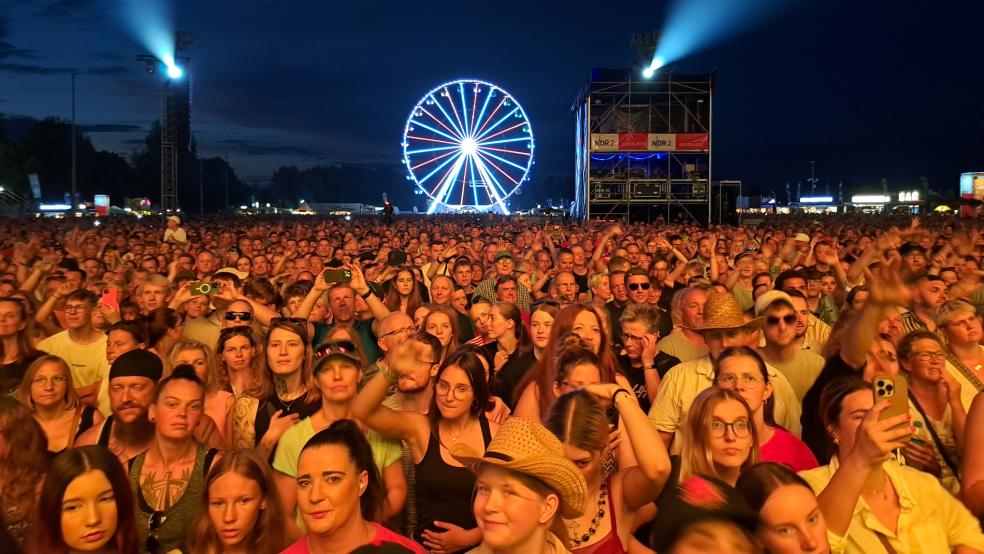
(836, 441)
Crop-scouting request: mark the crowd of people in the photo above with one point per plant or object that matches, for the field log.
(447, 384)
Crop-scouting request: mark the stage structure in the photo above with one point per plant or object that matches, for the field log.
(643, 146)
(175, 116)
(468, 146)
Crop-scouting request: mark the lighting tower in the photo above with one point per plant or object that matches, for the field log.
(176, 115)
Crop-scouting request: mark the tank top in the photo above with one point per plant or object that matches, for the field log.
(611, 544)
(176, 522)
(266, 409)
(444, 492)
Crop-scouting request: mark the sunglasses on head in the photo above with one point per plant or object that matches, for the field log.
(336, 347)
(241, 316)
(637, 286)
(773, 320)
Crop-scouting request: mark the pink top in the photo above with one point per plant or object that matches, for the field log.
(383, 535)
(785, 448)
(216, 408)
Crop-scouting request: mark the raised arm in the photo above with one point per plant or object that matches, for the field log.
(361, 287)
(642, 483)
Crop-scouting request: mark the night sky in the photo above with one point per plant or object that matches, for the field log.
(867, 89)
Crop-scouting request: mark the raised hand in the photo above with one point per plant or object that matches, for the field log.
(876, 440)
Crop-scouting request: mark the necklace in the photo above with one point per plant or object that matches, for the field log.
(880, 491)
(599, 515)
(454, 436)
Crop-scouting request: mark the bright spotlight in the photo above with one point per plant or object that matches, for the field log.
(653, 67)
(174, 72)
(648, 72)
(468, 145)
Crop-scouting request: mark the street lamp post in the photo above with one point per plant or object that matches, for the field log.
(74, 198)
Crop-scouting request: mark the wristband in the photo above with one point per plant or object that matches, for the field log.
(617, 392)
(366, 295)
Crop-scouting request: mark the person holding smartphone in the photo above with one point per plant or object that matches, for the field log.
(901, 506)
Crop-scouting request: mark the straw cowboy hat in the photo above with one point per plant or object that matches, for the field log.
(527, 447)
(721, 311)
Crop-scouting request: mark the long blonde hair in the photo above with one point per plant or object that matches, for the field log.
(215, 380)
(696, 457)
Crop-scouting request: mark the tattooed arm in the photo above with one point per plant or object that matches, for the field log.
(240, 425)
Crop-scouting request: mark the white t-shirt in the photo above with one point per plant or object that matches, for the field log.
(86, 361)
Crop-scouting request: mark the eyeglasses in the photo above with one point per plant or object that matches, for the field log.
(728, 380)
(460, 391)
(43, 381)
(740, 428)
(153, 544)
(241, 316)
(927, 356)
(637, 286)
(886, 355)
(773, 320)
(72, 308)
(403, 330)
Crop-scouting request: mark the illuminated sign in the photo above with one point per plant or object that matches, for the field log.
(909, 196)
(816, 199)
(870, 199)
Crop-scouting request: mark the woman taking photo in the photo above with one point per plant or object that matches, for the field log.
(514, 353)
(260, 422)
(871, 503)
(443, 324)
(523, 485)
(17, 337)
(218, 399)
(88, 506)
(337, 374)
(241, 361)
(241, 509)
(743, 370)
(403, 294)
(456, 416)
(23, 463)
(790, 521)
(339, 494)
(578, 419)
(49, 394)
(169, 478)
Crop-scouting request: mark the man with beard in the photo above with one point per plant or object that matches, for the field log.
(928, 294)
(128, 432)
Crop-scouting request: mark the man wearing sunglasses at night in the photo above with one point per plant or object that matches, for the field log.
(781, 349)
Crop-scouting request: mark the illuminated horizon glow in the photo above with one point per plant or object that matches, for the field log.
(694, 25)
(450, 146)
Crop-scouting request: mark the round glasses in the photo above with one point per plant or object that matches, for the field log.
(740, 428)
(747, 380)
(460, 391)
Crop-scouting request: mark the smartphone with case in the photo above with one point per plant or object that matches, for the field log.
(201, 289)
(894, 389)
(338, 276)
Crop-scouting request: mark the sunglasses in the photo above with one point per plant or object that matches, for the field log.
(153, 544)
(336, 347)
(241, 316)
(637, 286)
(772, 320)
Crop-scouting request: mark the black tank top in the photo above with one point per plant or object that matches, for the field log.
(266, 409)
(106, 431)
(444, 492)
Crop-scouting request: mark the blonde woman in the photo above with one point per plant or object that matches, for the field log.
(48, 392)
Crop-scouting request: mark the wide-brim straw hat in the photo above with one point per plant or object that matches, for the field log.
(721, 311)
(527, 447)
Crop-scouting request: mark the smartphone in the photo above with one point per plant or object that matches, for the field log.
(894, 389)
(199, 289)
(111, 297)
(337, 276)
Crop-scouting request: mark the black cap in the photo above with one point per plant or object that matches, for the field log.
(137, 363)
(396, 258)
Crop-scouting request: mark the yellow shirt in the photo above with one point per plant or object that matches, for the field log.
(686, 380)
(801, 371)
(678, 345)
(931, 520)
(87, 362)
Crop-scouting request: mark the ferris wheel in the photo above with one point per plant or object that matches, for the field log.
(468, 146)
